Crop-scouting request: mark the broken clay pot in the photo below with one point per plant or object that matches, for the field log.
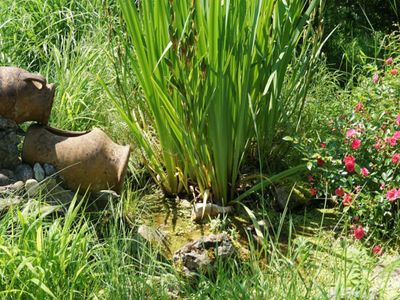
(25, 96)
(85, 160)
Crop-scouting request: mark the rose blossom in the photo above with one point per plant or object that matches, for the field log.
(364, 172)
(320, 162)
(359, 107)
(359, 233)
(396, 135)
(375, 78)
(339, 192)
(389, 61)
(377, 250)
(350, 133)
(313, 192)
(382, 186)
(396, 158)
(349, 162)
(347, 199)
(356, 144)
(391, 140)
(394, 72)
(392, 195)
(323, 145)
(377, 145)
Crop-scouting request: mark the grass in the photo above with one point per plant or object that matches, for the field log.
(80, 256)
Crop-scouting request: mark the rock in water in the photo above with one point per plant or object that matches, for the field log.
(38, 172)
(23, 172)
(9, 140)
(203, 211)
(201, 256)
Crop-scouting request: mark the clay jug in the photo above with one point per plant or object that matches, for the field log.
(85, 160)
(25, 96)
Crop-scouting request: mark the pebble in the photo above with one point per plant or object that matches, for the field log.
(32, 187)
(4, 180)
(49, 169)
(17, 186)
(23, 172)
(38, 172)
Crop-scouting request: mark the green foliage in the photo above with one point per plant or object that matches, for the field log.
(362, 129)
(67, 42)
(216, 77)
(361, 27)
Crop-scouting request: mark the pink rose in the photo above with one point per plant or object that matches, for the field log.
(377, 250)
(359, 233)
(359, 107)
(350, 133)
(349, 162)
(375, 78)
(347, 199)
(392, 195)
(356, 144)
(391, 140)
(394, 72)
(389, 61)
(339, 192)
(313, 192)
(396, 135)
(364, 172)
(396, 158)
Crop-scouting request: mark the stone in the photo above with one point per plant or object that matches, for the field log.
(292, 199)
(202, 211)
(15, 187)
(6, 203)
(8, 173)
(38, 172)
(23, 172)
(9, 140)
(185, 204)
(49, 169)
(57, 195)
(4, 180)
(32, 187)
(200, 256)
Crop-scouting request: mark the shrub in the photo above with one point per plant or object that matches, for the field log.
(356, 154)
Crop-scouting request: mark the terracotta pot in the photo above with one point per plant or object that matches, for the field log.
(86, 160)
(25, 96)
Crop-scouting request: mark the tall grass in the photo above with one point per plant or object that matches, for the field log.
(213, 75)
(67, 42)
(78, 256)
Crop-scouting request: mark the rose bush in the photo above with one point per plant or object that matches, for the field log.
(354, 154)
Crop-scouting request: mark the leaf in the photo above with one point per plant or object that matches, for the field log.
(288, 138)
(43, 287)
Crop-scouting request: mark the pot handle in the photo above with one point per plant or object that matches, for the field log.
(34, 77)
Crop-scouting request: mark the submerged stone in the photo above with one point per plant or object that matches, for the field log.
(200, 256)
